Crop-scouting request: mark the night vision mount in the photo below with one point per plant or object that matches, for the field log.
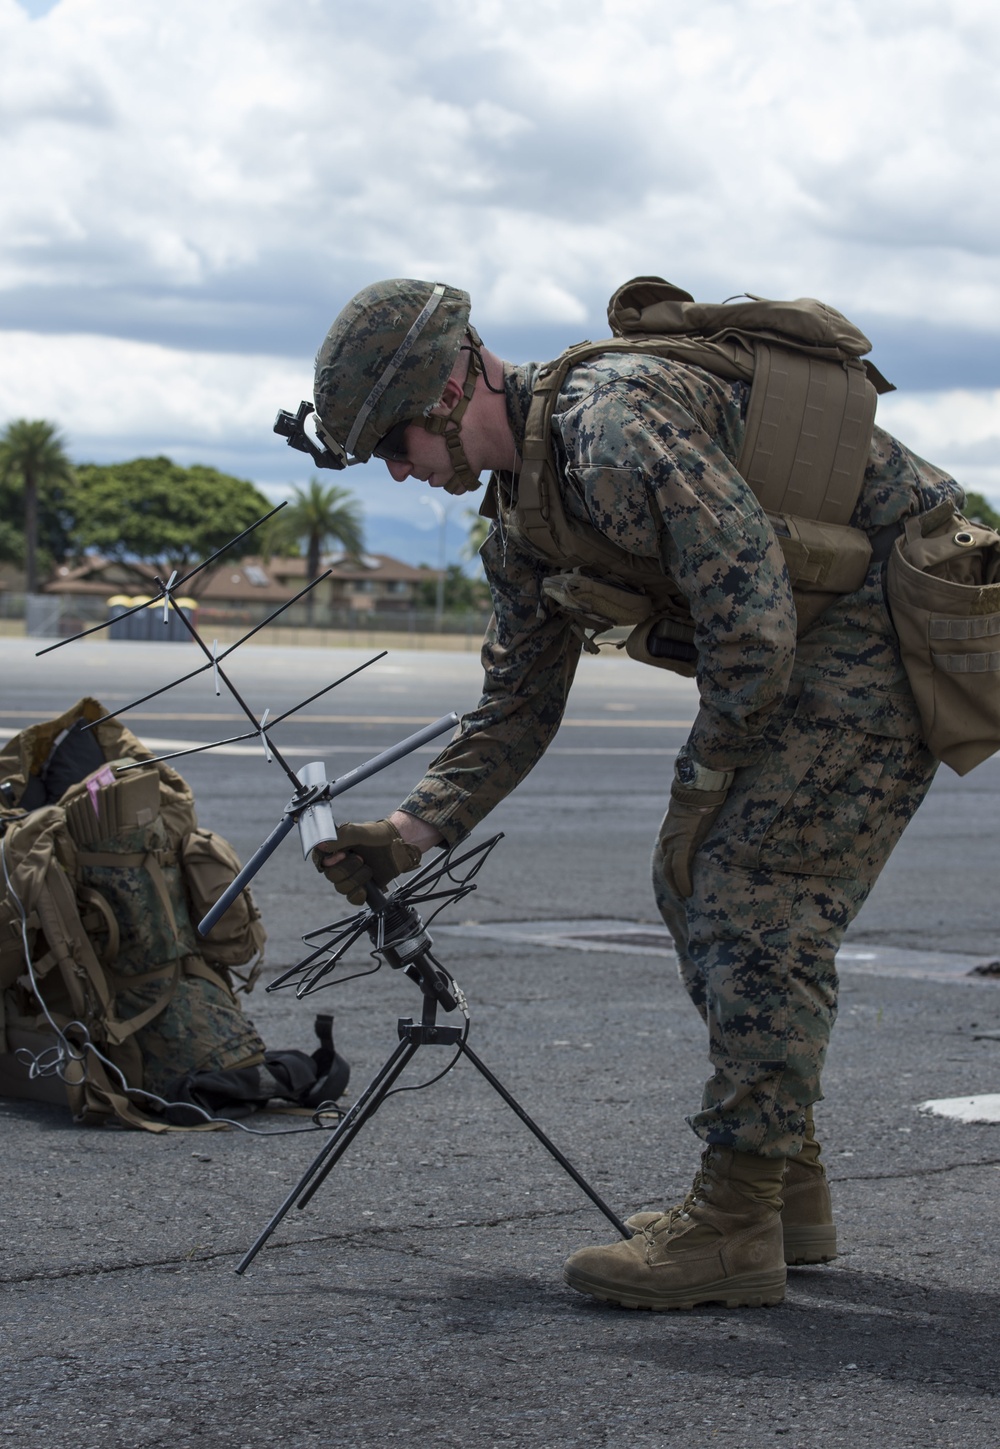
(392, 922)
(292, 427)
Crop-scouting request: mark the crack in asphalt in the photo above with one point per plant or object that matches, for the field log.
(209, 1255)
(914, 1172)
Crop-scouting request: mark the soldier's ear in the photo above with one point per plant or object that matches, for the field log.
(450, 399)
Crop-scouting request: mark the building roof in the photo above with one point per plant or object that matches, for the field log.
(244, 581)
(370, 566)
(101, 576)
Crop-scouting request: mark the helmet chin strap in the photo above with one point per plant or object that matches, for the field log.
(463, 480)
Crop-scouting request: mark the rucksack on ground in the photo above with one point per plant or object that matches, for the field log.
(106, 992)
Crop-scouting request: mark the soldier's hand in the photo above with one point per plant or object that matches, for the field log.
(685, 827)
(374, 851)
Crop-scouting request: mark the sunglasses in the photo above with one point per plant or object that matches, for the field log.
(392, 448)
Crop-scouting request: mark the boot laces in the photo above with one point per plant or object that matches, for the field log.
(680, 1212)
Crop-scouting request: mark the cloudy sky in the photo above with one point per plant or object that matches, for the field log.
(191, 190)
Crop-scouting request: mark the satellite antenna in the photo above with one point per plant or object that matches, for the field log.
(392, 922)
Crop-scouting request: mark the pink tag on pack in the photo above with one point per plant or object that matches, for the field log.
(102, 778)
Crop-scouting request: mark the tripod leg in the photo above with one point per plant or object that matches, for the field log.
(365, 1107)
(549, 1146)
(357, 1115)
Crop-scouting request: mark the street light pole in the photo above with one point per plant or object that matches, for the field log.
(441, 513)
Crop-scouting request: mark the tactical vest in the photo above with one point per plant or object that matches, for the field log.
(806, 445)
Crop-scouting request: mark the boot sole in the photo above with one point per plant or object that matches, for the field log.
(814, 1244)
(745, 1290)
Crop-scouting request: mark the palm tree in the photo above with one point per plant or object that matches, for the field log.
(479, 527)
(33, 455)
(318, 515)
(274, 539)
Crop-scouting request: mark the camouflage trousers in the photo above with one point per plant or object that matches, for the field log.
(791, 859)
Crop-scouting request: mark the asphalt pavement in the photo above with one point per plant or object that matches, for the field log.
(418, 1298)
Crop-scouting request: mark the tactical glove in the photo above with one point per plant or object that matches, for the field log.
(686, 825)
(375, 852)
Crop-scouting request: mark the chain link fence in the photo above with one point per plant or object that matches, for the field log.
(60, 615)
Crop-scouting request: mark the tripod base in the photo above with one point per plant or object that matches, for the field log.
(413, 1035)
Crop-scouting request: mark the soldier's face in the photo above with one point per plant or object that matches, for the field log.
(427, 458)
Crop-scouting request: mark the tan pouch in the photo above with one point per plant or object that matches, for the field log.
(824, 560)
(209, 865)
(945, 600)
(598, 605)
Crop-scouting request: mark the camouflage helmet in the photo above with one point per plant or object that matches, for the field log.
(385, 361)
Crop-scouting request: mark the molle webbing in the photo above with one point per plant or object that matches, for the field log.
(808, 434)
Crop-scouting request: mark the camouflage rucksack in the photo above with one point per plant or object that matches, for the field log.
(99, 961)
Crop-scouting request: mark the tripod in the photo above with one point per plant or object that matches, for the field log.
(405, 943)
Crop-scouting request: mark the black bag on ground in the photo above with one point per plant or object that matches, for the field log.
(291, 1076)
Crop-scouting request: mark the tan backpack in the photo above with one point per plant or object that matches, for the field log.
(808, 434)
(104, 984)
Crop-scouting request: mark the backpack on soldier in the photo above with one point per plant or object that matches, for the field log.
(806, 443)
(106, 992)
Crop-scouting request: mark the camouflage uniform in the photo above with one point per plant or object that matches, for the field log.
(823, 734)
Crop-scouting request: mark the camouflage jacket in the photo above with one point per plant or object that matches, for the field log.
(646, 450)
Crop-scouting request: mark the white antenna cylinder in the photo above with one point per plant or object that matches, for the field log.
(317, 823)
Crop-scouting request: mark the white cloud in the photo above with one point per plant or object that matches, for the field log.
(192, 191)
(539, 149)
(511, 295)
(959, 430)
(218, 408)
(100, 387)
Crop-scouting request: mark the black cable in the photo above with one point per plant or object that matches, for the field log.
(419, 1086)
(339, 981)
(477, 353)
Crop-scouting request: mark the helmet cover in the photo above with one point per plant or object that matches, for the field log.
(386, 360)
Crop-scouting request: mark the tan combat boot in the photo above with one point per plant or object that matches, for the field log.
(721, 1245)
(808, 1229)
(807, 1216)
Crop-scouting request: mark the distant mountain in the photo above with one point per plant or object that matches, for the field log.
(415, 545)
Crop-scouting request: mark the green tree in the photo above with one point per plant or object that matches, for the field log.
(272, 539)
(318, 515)
(977, 508)
(154, 510)
(34, 469)
(479, 527)
(11, 537)
(461, 592)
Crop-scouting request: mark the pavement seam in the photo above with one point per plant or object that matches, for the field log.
(208, 1256)
(191, 1257)
(916, 1172)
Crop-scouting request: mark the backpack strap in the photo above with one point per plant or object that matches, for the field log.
(540, 515)
(98, 1094)
(195, 966)
(147, 860)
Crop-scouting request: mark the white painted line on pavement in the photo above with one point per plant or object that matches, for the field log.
(314, 752)
(983, 1109)
(633, 938)
(190, 717)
